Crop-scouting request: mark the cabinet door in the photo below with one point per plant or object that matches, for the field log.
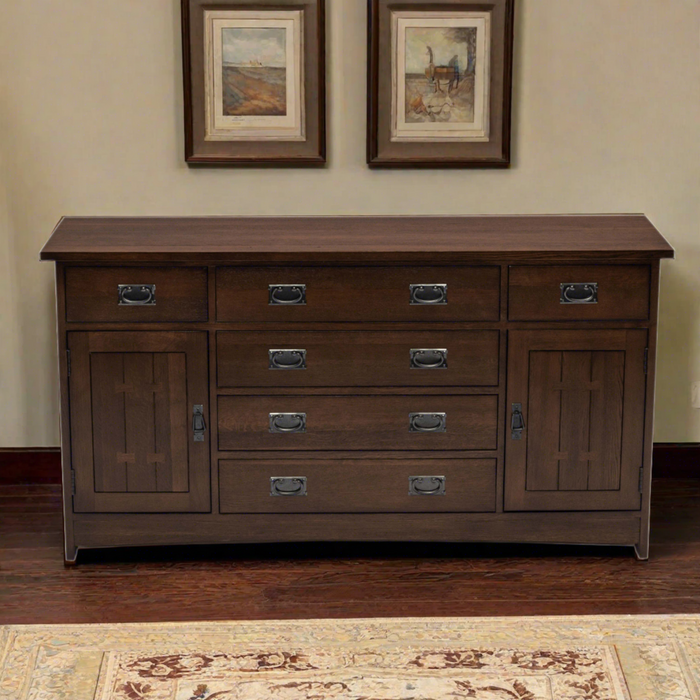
(132, 399)
(582, 395)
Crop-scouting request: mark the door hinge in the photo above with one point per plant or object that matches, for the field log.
(641, 479)
(72, 482)
(646, 360)
(68, 361)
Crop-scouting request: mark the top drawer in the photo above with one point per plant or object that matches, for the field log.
(578, 293)
(136, 294)
(337, 294)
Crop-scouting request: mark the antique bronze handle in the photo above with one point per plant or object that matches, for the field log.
(428, 294)
(287, 294)
(287, 359)
(287, 422)
(427, 422)
(578, 293)
(426, 485)
(288, 486)
(136, 294)
(435, 358)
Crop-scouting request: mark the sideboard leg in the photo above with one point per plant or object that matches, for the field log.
(70, 556)
(641, 549)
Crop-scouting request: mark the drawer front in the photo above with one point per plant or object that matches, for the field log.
(337, 294)
(358, 486)
(351, 358)
(358, 422)
(579, 293)
(136, 294)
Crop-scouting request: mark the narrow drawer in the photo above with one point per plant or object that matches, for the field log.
(358, 422)
(338, 294)
(136, 294)
(354, 358)
(358, 486)
(579, 293)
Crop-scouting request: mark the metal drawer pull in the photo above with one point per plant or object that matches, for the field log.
(136, 294)
(287, 359)
(427, 422)
(423, 358)
(287, 486)
(428, 294)
(288, 422)
(287, 294)
(517, 422)
(578, 293)
(426, 485)
(199, 425)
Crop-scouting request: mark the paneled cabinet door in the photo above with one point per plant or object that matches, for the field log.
(134, 408)
(576, 419)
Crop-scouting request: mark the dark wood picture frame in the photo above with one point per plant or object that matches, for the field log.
(308, 152)
(382, 152)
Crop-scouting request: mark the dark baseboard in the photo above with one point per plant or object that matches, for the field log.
(677, 460)
(42, 465)
(30, 465)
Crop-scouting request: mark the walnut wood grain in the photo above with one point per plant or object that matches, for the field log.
(359, 294)
(534, 292)
(357, 486)
(366, 239)
(92, 296)
(584, 426)
(135, 477)
(131, 407)
(357, 422)
(336, 580)
(357, 359)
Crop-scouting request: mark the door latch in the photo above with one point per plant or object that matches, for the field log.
(517, 422)
(199, 425)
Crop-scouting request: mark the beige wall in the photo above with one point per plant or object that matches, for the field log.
(607, 119)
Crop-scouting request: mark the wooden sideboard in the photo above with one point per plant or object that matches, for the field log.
(265, 379)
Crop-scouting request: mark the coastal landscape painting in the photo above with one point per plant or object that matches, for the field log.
(254, 75)
(254, 82)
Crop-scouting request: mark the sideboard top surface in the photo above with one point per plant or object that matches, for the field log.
(354, 239)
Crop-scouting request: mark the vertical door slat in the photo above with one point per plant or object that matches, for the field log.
(109, 430)
(140, 428)
(543, 421)
(608, 369)
(575, 416)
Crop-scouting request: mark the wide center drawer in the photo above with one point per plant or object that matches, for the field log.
(136, 294)
(339, 294)
(357, 358)
(358, 422)
(357, 486)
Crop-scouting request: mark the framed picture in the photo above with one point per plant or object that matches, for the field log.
(254, 76)
(439, 83)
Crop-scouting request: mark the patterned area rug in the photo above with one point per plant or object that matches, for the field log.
(548, 658)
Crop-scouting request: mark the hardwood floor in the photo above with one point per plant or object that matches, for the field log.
(349, 580)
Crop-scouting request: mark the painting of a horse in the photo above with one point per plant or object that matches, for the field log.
(439, 74)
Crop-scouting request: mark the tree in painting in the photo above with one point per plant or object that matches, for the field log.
(440, 69)
(254, 71)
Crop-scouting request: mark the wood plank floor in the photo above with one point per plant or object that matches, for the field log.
(351, 580)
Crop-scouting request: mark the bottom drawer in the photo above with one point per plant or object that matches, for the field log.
(358, 486)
